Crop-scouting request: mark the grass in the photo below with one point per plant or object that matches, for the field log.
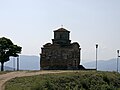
(79, 80)
(4, 72)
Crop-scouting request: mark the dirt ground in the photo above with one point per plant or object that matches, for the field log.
(5, 77)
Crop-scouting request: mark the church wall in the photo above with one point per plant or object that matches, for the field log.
(61, 56)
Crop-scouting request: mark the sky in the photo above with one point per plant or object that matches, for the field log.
(30, 24)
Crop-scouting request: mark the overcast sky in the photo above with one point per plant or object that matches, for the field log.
(30, 24)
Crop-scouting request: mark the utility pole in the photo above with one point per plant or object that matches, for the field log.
(18, 63)
(117, 59)
(96, 55)
(13, 63)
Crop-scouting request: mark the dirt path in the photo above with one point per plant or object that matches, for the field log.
(8, 76)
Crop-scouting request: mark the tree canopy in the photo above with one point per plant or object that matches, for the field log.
(7, 49)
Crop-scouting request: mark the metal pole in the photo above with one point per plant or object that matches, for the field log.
(13, 63)
(96, 55)
(117, 59)
(18, 63)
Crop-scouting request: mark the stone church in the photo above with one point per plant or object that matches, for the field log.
(61, 54)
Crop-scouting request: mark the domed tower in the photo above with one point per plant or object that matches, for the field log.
(61, 36)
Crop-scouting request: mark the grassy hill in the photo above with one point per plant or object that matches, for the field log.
(76, 80)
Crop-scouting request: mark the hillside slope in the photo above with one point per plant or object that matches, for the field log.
(5, 76)
(74, 80)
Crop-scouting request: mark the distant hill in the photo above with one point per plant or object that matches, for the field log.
(26, 62)
(103, 65)
(8, 68)
(33, 63)
(29, 62)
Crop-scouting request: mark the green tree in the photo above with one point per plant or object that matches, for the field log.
(7, 49)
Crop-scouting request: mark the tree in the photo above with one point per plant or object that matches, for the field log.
(7, 49)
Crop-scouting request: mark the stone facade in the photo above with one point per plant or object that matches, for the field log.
(61, 54)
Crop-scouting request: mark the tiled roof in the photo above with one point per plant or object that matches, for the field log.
(61, 30)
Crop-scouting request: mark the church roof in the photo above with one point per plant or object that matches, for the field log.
(61, 30)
